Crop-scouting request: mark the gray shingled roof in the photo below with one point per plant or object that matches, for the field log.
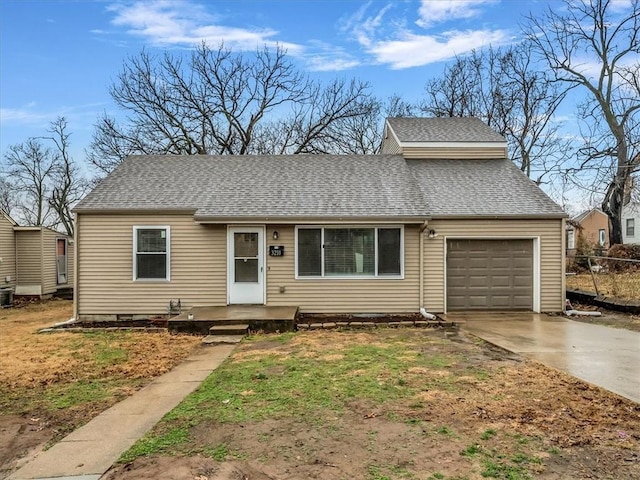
(233, 186)
(454, 129)
(467, 188)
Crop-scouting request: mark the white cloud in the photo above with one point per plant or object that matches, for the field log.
(364, 27)
(28, 114)
(323, 63)
(324, 57)
(620, 5)
(412, 50)
(167, 23)
(394, 41)
(24, 115)
(437, 11)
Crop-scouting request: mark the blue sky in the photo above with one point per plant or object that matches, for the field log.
(58, 57)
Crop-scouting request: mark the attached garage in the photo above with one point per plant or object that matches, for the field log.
(490, 274)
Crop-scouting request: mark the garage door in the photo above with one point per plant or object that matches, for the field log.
(489, 275)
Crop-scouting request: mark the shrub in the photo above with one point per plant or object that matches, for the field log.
(630, 252)
(583, 248)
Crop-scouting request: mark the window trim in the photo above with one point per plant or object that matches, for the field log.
(167, 277)
(633, 227)
(602, 237)
(324, 277)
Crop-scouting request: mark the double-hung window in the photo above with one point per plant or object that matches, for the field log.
(631, 227)
(349, 252)
(151, 253)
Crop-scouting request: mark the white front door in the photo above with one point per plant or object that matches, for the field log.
(246, 265)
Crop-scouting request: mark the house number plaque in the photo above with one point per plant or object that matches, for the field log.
(276, 250)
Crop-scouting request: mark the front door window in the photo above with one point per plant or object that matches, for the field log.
(246, 257)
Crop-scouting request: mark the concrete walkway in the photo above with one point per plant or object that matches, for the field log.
(604, 356)
(88, 452)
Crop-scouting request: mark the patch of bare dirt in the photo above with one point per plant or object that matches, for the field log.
(19, 436)
(196, 468)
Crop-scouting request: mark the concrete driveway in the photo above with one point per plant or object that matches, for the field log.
(603, 356)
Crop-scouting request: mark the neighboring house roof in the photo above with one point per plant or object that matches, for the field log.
(262, 186)
(585, 214)
(453, 129)
(480, 188)
(631, 207)
(319, 186)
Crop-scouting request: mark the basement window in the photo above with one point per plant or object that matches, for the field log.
(151, 252)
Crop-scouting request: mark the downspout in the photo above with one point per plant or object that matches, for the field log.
(423, 310)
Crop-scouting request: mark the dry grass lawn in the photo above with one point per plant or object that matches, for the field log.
(618, 285)
(58, 381)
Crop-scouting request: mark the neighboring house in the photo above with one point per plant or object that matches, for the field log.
(631, 223)
(35, 261)
(590, 227)
(7, 257)
(441, 220)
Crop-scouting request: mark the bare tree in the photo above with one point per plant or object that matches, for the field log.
(68, 185)
(213, 101)
(7, 199)
(506, 90)
(30, 166)
(594, 45)
(363, 134)
(352, 134)
(43, 181)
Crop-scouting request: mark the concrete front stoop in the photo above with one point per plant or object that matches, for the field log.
(238, 317)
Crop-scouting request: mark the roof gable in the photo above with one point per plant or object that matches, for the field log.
(594, 211)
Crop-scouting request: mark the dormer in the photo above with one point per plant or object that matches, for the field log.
(449, 137)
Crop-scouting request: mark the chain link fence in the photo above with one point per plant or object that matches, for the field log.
(607, 276)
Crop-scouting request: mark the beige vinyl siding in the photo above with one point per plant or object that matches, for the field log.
(29, 257)
(49, 265)
(7, 252)
(390, 145)
(105, 262)
(551, 255)
(454, 152)
(326, 295)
